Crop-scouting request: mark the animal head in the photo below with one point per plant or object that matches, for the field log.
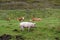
(22, 17)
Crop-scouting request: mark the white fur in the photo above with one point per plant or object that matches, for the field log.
(26, 25)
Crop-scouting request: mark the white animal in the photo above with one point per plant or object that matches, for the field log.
(27, 25)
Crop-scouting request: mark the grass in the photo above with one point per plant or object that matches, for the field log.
(47, 29)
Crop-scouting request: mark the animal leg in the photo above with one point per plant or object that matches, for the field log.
(28, 29)
(22, 28)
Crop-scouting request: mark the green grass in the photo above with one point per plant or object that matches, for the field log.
(28, 14)
(47, 29)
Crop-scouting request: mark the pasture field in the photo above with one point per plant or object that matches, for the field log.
(47, 29)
